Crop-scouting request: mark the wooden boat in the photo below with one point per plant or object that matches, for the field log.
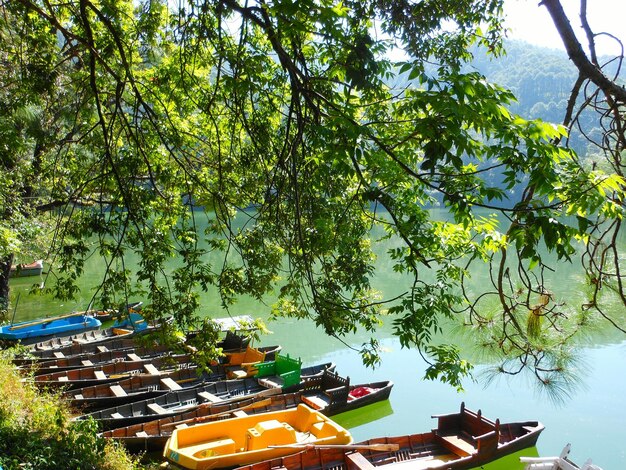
(461, 440)
(95, 359)
(332, 394)
(247, 439)
(111, 372)
(152, 435)
(29, 332)
(562, 462)
(134, 388)
(76, 349)
(110, 314)
(128, 327)
(30, 269)
(181, 400)
(178, 401)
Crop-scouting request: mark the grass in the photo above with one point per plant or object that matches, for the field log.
(37, 432)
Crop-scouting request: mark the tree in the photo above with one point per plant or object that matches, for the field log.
(284, 113)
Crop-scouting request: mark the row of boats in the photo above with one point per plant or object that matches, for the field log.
(257, 408)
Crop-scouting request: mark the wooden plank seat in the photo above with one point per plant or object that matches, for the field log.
(356, 461)
(86, 363)
(118, 391)
(316, 402)
(170, 384)
(209, 397)
(150, 369)
(100, 375)
(133, 357)
(117, 415)
(141, 434)
(59, 355)
(457, 443)
(156, 408)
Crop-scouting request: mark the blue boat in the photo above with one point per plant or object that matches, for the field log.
(36, 330)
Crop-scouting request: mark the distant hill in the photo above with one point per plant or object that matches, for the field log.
(542, 80)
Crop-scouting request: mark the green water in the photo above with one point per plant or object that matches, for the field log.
(592, 420)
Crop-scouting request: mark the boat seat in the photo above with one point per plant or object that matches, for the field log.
(100, 375)
(239, 414)
(457, 444)
(63, 378)
(237, 374)
(102, 349)
(78, 396)
(170, 384)
(315, 401)
(151, 369)
(133, 357)
(117, 415)
(59, 355)
(118, 391)
(209, 397)
(220, 446)
(141, 434)
(271, 382)
(86, 363)
(357, 461)
(156, 408)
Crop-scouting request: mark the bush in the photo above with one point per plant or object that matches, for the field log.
(37, 432)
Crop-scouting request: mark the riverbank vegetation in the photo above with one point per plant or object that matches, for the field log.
(36, 431)
(125, 122)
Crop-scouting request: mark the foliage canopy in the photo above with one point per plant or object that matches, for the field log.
(122, 116)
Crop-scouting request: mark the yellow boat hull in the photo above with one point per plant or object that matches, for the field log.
(248, 439)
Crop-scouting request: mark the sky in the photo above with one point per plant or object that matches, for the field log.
(532, 23)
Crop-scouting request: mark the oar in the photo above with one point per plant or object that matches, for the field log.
(375, 447)
(44, 320)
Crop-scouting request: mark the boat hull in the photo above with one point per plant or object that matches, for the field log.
(239, 441)
(31, 332)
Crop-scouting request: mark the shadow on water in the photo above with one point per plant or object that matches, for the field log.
(361, 416)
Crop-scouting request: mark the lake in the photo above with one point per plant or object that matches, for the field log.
(592, 419)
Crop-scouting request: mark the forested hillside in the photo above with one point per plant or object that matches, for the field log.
(542, 80)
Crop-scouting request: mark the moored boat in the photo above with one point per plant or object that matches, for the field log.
(32, 331)
(332, 394)
(152, 435)
(247, 439)
(29, 269)
(178, 401)
(95, 359)
(130, 326)
(461, 440)
(111, 372)
(562, 462)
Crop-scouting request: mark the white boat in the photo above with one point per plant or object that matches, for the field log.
(561, 462)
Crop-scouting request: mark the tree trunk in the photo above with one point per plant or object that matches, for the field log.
(5, 270)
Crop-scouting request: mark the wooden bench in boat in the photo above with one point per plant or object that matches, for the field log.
(86, 363)
(102, 349)
(209, 397)
(356, 461)
(456, 444)
(59, 355)
(170, 384)
(315, 401)
(156, 408)
(150, 369)
(117, 415)
(133, 357)
(141, 434)
(100, 375)
(118, 391)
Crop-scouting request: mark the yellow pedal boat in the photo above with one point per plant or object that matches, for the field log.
(248, 439)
